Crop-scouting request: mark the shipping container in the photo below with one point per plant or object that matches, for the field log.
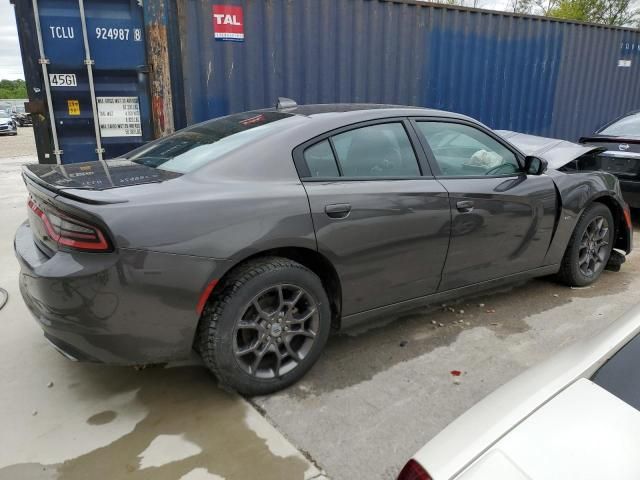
(200, 59)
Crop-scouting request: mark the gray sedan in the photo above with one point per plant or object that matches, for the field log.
(8, 125)
(251, 237)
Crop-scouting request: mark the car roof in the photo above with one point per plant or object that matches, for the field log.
(368, 110)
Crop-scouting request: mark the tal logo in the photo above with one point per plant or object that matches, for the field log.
(228, 23)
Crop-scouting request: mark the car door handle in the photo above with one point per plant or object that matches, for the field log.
(464, 206)
(338, 210)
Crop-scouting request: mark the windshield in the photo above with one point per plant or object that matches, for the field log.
(628, 126)
(620, 375)
(196, 146)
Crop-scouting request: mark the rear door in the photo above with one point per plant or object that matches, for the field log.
(502, 219)
(379, 215)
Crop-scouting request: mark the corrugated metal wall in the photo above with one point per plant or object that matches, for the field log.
(528, 74)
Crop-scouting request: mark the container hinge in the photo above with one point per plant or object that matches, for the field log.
(89, 61)
(44, 61)
(100, 150)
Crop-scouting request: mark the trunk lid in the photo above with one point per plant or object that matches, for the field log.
(61, 197)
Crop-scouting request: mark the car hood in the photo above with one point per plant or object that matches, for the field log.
(4, 121)
(556, 152)
(564, 439)
(480, 428)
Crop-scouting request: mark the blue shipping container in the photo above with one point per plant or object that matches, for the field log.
(93, 59)
(207, 58)
(524, 73)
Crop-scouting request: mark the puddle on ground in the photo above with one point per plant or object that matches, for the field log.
(351, 358)
(102, 418)
(191, 425)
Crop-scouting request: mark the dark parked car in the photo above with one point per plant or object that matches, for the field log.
(23, 119)
(251, 236)
(620, 142)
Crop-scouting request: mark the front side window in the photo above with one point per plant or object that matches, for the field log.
(382, 150)
(461, 150)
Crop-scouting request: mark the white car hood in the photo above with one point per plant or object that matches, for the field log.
(585, 432)
(557, 152)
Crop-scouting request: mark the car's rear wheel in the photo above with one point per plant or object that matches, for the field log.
(589, 248)
(265, 327)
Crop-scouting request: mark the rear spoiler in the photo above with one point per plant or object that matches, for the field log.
(93, 197)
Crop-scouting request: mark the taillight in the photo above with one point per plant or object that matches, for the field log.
(70, 232)
(413, 471)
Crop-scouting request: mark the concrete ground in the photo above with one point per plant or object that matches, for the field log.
(372, 400)
(68, 421)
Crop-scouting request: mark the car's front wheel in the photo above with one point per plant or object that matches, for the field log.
(265, 327)
(589, 248)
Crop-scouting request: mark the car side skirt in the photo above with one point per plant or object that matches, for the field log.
(358, 319)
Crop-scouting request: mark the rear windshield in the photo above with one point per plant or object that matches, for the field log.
(196, 146)
(628, 126)
(620, 375)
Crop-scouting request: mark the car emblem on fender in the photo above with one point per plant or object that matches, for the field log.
(623, 147)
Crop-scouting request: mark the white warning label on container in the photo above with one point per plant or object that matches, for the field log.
(119, 116)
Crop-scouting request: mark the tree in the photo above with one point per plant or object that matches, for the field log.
(459, 3)
(520, 6)
(608, 12)
(13, 89)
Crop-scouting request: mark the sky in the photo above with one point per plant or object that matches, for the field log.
(11, 65)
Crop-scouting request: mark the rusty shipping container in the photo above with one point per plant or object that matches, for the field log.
(199, 59)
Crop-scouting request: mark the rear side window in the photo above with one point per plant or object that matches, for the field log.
(381, 150)
(321, 161)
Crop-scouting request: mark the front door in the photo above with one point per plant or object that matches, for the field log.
(502, 219)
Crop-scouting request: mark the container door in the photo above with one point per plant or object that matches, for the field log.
(97, 79)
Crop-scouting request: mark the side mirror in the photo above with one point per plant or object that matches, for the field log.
(535, 165)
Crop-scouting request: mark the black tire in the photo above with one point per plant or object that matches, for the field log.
(222, 336)
(572, 270)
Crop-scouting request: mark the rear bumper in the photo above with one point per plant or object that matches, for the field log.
(125, 308)
(631, 192)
